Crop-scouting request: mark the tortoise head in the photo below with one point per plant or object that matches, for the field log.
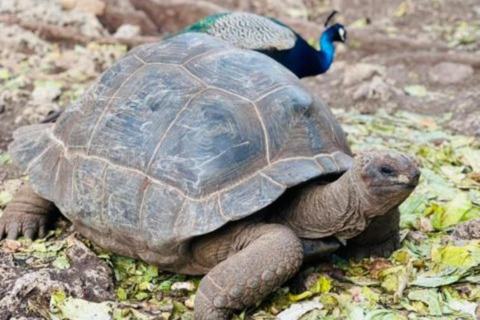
(388, 177)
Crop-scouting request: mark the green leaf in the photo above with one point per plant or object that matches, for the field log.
(142, 295)
(61, 262)
(78, 309)
(383, 314)
(152, 272)
(121, 294)
(452, 256)
(445, 277)
(471, 157)
(4, 74)
(431, 298)
(165, 285)
(416, 90)
(455, 212)
(392, 277)
(411, 209)
(5, 158)
(322, 285)
(299, 297)
(5, 197)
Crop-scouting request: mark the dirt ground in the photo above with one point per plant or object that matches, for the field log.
(419, 56)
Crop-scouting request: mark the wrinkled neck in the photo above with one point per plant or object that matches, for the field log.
(341, 208)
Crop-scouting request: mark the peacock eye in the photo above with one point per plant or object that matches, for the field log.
(387, 171)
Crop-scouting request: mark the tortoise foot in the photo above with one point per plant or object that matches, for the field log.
(27, 215)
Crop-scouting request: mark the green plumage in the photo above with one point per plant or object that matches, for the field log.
(203, 25)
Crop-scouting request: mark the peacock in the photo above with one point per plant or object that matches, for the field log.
(275, 39)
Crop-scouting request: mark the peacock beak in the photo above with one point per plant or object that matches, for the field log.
(343, 35)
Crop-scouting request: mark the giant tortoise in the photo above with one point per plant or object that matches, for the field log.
(202, 158)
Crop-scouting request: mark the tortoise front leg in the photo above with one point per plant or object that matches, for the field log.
(380, 238)
(263, 257)
(27, 214)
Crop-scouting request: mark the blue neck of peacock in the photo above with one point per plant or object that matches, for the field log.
(327, 51)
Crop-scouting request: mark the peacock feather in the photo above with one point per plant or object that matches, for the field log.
(273, 38)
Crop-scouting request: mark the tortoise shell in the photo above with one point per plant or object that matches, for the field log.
(177, 139)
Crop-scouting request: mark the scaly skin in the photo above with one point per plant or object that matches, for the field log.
(27, 214)
(257, 259)
(380, 238)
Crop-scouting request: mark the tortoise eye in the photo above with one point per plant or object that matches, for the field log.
(387, 171)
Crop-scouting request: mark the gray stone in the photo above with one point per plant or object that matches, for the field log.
(449, 72)
(361, 71)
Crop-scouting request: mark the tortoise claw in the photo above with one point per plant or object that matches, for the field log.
(27, 225)
(30, 229)
(42, 231)
(29, 233)
(2, 231)
(12, 230)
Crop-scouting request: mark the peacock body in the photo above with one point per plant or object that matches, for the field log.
(273, 38)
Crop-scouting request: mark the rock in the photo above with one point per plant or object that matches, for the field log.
(46, 94)
(449, 72)
(81, 18)
(467, 230)
(127, 31)
(21, 40)
(172, 15)
(26, 289)
(95, 7)
(11, 186)
(121, 12)
(375, 89)
(467, 123)
(277, 8)
(361, 71)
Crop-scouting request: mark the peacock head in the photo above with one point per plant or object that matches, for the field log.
(335, 32)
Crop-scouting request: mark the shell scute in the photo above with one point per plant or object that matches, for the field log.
(122, 201)
(252, 194)
(75, 127)
(282, 112)
(216, 139)
(140, 115)
(305, 169)
(227, 70)
(88, 184)
(159, 209)
(176, 50)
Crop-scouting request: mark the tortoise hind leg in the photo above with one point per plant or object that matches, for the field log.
(266, 256)
(27, 214)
